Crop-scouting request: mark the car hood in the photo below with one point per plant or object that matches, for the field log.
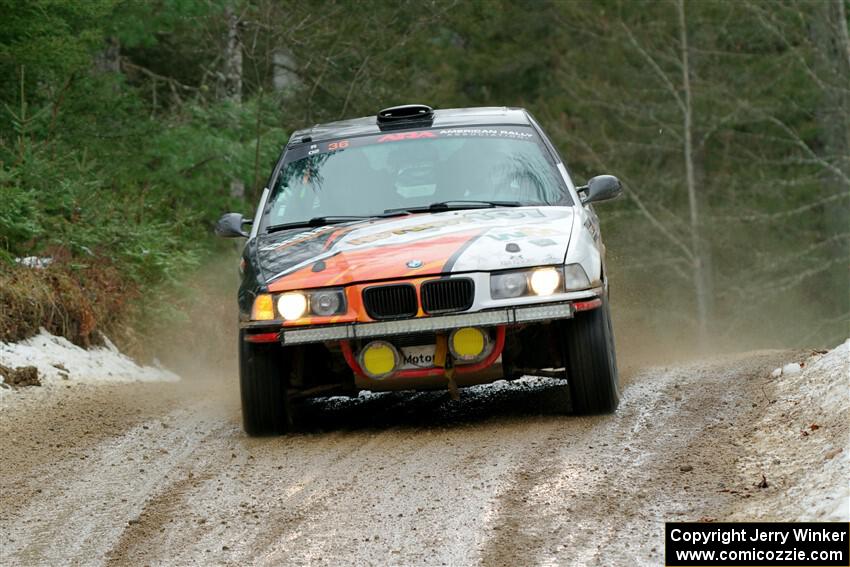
(414, 246)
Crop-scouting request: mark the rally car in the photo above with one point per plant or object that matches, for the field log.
(421, 249)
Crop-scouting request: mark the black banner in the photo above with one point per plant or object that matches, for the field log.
(757, 544)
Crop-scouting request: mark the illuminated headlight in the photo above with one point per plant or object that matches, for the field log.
(326, 302)
(518, 283)
(575, 277)
(545, 281)
(292, 305)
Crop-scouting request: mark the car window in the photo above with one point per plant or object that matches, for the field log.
(368, 174)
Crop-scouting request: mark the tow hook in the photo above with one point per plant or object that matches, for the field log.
(450, 376)
(444, 359)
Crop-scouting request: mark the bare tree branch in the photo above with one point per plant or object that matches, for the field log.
(757, 11)
(799, 142)
(791, 212)
(633, 195)
(655, 67)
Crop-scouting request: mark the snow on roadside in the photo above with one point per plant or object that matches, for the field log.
(802, 443)
(57, 359)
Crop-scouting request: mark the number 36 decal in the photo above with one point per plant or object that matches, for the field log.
(342, 144)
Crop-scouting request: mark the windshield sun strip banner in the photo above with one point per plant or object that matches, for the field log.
(308, 149)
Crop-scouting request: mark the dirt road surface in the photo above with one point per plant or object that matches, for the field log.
(161, 474)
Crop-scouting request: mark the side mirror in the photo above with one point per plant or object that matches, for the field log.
(230, 225)
(600, 188)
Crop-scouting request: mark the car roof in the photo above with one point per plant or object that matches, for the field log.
(480, 116)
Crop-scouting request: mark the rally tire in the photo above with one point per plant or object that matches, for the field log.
(263, 378)
(591, 362)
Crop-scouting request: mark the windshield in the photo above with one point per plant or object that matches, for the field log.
(367, 175)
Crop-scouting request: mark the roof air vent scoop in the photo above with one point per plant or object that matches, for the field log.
(405, 116)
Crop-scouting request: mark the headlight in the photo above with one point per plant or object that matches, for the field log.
(508, 284)
(326, 302)
(519, 283)
(292, 305)
(575, 277)
(545, 281)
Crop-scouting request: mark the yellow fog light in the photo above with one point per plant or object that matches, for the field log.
(379, 359)
(263, 309)
(292, 305)
(468, 344)
(545, 281)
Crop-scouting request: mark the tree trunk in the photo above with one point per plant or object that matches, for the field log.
(232, 71)
(282, 64)
(829, 36)
(232, 78)
(843, 32)
(109, 60)
(700, 274)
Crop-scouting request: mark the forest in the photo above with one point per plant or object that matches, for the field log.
(129, 126)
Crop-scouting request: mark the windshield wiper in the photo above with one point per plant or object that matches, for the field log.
(316, 221)
(455, 205)
(324, 221)
(441, 206)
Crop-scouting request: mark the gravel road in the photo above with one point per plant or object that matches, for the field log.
(161, 474)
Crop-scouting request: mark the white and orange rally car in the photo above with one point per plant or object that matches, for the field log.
(421, 249)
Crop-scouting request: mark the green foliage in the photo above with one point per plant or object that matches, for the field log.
(17, 216)
(144, 200)
(146, 24)
(52, 39)
(94, 173)
(191, 162)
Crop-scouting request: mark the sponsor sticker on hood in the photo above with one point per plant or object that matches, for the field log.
(421, 244)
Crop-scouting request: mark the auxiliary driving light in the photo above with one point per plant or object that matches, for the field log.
(379, 359)
(468, 344)
(292, 305)
(545, 281)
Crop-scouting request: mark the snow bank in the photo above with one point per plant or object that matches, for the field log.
(57, 359)
(34, 262)
(803, 442)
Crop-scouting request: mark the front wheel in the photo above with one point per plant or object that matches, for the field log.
(263, 378)
(591, 362)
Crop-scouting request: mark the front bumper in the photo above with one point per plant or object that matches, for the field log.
(493, 317)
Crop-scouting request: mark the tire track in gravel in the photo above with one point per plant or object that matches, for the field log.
(346, 502)
(498, 478)
(56, 426)
(86, 505)
(602, 496)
